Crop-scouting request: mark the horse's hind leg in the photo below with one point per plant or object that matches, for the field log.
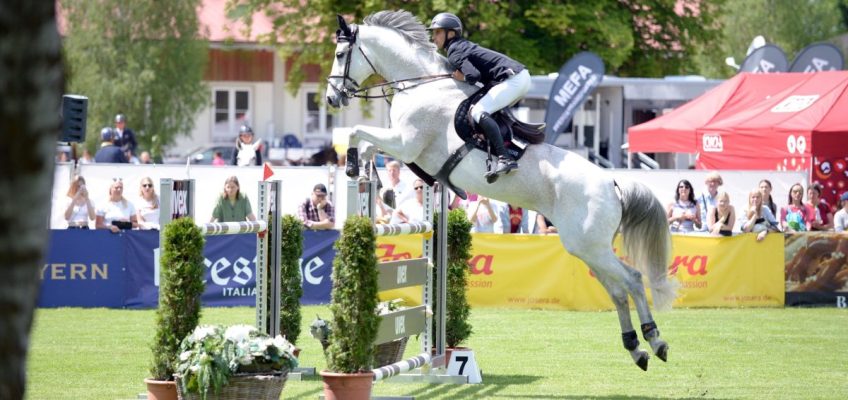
(650, 332)
(628, 335)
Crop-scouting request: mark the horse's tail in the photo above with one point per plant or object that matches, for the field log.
(647, 241)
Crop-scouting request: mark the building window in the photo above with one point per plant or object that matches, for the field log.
(318, 121)
(231, 109)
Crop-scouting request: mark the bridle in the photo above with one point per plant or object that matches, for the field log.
(388, 88)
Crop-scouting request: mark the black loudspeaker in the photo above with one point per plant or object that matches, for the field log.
(74, 112)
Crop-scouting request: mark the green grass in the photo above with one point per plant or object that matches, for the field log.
(524, 354)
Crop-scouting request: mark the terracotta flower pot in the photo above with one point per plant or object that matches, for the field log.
(161, 390)
(347, 386)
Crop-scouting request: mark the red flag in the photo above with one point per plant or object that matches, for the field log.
(267, 172)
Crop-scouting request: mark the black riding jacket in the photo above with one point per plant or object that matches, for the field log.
(480, 64)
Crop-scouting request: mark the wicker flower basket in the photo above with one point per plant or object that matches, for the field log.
(259, 386)
(389, 352)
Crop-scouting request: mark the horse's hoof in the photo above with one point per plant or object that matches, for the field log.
(662, 352)
(642, 362)
(492, 177)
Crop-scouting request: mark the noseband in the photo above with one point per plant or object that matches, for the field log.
(388, 88)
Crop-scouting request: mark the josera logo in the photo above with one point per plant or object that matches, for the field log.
(695, 265)
(480, 264)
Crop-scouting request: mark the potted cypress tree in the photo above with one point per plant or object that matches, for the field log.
(457, 309)
(180, 288)
(291, 233)
(354, 320)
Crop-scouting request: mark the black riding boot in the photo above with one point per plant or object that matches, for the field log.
(505, 163)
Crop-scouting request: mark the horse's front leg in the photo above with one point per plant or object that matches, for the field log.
(365, 140)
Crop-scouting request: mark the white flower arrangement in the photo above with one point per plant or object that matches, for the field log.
(211, 354)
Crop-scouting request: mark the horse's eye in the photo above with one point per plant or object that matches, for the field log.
(340, 54)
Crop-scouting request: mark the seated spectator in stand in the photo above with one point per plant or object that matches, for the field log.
(144, 158)
(840, 219)
(481, 213)
(768, 201)
(722, 217)
(109, 153)
(512, 219)
(402, 190)
(116, 213)
(544, 225)
(819, 208)
(412, 210)
(79, 210)
(385, 206)
(218, 159)
(86, 157)
(247, 151)
(758, 218)
(796, 217)
(233, 205)
(147, 207)
(683, 215)
(707, 200)
(316, 211)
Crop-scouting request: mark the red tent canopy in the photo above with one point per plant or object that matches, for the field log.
(807, 118)
(675, 132)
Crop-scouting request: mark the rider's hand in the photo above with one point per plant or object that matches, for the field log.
(458, 75)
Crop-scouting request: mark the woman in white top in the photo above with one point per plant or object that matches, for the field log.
(758, 218)
(481, 214)
(683, 215)
(147, 210)
(79, 210)
(840, 219)
(116, 209)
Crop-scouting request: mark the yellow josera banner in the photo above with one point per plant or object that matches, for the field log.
(533, 271)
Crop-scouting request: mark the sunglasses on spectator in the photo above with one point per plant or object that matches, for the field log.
(147, 185)
(419, 187)
(683, 187)
(117, 180)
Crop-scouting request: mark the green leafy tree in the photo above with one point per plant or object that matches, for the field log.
(142, 58)
(790, 24)
(633, 37)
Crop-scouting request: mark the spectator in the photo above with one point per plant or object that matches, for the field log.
(144, 158)
(796, 217)
(684, 215)
(411, 210)
(316, 211)
(481, 213)
(818, 207)
(124, 137)
(765, 189)
(400, 188)
(544, 225)
(247, 151)
(722, 217)
(512, 219)
(758, 218)
(79, 211)
(840, 220)
(86, 157)
(147, 213)
(233, 205)
(385, 202)
(131, 158)
(218, 159)
(707, 201)
(116, 213)
(109, 153)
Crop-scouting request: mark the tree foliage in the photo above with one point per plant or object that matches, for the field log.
(790, 24)
(291, 290)
(633, 37)
(142, 58)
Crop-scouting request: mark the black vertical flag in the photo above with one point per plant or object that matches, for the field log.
(577, 78)
(764, 60)
(818, 57)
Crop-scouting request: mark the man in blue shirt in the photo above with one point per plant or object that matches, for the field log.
(109, 153)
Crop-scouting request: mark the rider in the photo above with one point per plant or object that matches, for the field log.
(509, 79)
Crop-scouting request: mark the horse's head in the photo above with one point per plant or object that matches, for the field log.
(349, 66)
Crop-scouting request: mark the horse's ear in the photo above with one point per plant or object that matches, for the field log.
(343, 27)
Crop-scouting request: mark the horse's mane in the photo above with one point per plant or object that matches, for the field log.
(405, 24)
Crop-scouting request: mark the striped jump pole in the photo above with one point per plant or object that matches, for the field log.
(231, 228)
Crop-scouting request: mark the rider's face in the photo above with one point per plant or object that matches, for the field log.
(439, 38)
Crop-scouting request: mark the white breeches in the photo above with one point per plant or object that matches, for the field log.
(502, 95)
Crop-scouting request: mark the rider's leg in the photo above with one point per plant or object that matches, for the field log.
(500, 96)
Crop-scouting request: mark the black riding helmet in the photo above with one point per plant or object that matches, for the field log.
(447, 21)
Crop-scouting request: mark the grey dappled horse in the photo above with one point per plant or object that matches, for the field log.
(579, 198)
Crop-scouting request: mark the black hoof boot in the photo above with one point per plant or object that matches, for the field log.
(352, 163)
